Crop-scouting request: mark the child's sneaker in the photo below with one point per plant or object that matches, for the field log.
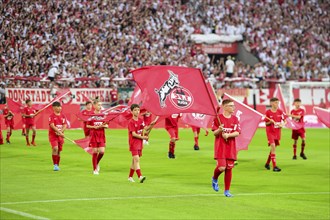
(267, 166)
(171, 155)
(215, 185)
(56, 167)
(227, 193)
(276, 169)
(142, 179)
(131, 179)
(303, 156)
(95, 172)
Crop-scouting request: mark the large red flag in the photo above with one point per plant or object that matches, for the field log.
(290, 123)
(119, 114)
(323, 115)
(105, 117)
(278, 94)
(15, 107)
(172, 89)
(61, 94)
(84, 144)
(214, 98)
(196, 119)
(38, 106)
(123, 115)
(137, 97)
(249, 120)
(85, 98)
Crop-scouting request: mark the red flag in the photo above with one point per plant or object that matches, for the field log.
(118, 109)
(290, 123)
(61, 94)
(214, 98)
(105, 117)
(123, 115)
(323, 115)
(15, 107)
(38, 106)
(85, 98)
(172, 90)
(84, 144)
(278, 94)
(137, 97)
(196, 119)
(119, 114)
(249, 120)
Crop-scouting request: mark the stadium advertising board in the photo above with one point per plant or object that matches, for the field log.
(220, 48)
(77, 96)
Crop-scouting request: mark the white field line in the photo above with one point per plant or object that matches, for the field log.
(164, 197)
(24, 214)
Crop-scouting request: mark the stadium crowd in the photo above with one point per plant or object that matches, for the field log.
(96, 43)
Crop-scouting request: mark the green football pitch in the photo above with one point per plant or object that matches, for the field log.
(174, 189)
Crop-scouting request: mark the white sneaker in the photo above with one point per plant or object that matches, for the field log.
(142, 179)
(95, 172)
(131, 179)
(98, 168)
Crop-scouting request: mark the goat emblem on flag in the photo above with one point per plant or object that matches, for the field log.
(179, 96)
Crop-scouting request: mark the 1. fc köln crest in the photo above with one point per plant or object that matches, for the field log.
(179, 96)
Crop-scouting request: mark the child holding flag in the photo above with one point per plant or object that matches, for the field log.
(1, 138)
(137, 132)
(275, 120)
(196, 131)
(97, 127)
(225, 128)
(172, 128)
(87, 111)
(147, 117)
(57, 126)
(297, 114)
(23, 118)
(9, 121)
(29, 113)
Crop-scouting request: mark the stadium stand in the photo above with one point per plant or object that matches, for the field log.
(95, 43)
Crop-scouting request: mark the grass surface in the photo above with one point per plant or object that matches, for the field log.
(174, 189)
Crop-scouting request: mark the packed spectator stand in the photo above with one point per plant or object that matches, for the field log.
(88, 44)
